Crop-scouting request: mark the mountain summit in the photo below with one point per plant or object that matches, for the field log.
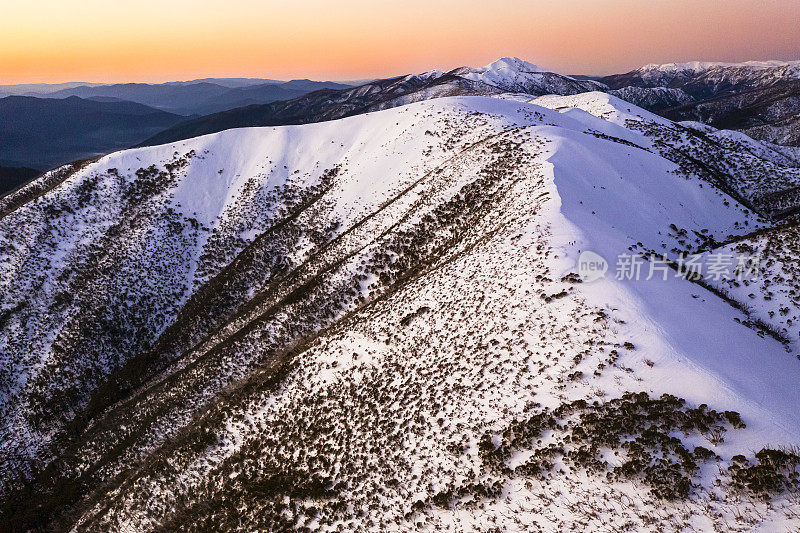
(511, 74)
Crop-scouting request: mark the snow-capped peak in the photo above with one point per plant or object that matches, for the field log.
(509, 65)
(516, 75)
(430, 74)
(507, 73)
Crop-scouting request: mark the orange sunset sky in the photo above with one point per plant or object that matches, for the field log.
(160, 40)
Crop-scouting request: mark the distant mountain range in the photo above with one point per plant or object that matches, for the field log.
(40, 89)
(198, 97)
(761, 99)
(42, 126)
(45, 132)
(503, 75)
(707, 79)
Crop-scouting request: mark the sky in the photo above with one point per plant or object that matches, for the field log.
(162, 40)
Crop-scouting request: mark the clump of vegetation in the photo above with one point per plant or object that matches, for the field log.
(638, 429)
(773, 472)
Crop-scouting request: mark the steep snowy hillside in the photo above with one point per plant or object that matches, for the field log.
(761, 176)
(377, 323)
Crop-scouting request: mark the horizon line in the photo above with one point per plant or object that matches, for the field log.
(366, 79)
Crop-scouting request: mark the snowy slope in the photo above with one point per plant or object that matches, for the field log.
(375, 323)
(757, 174)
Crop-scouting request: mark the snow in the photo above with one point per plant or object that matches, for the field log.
(430, 74)
(504, 70)
(586, 180)
(608, 107)
(700, 66)
(515, 75)
(714, 360)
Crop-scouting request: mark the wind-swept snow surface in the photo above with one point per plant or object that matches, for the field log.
(376, 323)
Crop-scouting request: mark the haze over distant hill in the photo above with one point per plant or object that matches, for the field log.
(35, 89)
(43, 125)
(38, 89)
(200, 97)
(44, 132)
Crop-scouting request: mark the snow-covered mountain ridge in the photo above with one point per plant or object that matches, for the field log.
(511, 74)
(504, 75)
(697, 73)
(375, 323)
(697, 66)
